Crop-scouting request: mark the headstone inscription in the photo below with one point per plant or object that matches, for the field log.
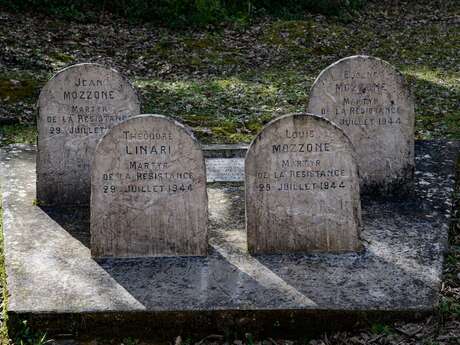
(302, 188)
(369, 100)
(76, 107)
(148, 191)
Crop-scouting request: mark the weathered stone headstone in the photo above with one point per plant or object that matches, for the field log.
(76, 107)
(148, 191)
(302, 188)
(369, 100)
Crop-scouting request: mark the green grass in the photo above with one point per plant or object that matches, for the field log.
(378, 328)
(24, 335)
(4, 338)
(449, 307)
(226, 110)
(17, 87)
(18, 133)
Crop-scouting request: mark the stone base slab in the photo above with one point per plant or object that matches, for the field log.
(53, 281)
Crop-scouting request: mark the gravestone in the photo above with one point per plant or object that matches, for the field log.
(148, 191)
(302, 188)
(76, 107)
(370, 101)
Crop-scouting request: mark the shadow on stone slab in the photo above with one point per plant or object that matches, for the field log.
(74, 220)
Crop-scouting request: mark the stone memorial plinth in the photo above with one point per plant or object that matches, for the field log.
(302, 188)
(76, 107)
(55, 284)
(370, 101)
(148, 191)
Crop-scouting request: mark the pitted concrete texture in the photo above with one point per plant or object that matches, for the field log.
(53, 280)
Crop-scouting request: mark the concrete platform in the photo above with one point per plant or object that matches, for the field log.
(54, 283)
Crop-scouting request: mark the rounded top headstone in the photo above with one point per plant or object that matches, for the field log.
(88, 75)
(148, 191)
(302, 188)
(75, 108)
(370, 101)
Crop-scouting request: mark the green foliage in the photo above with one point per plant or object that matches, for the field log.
(291, 7)
(449, 307)
(130, 341)
(378, 328)
(18, 88)
(4, 339)
(24, 335)
(180, 12)
(18, 133)
(249, 339)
